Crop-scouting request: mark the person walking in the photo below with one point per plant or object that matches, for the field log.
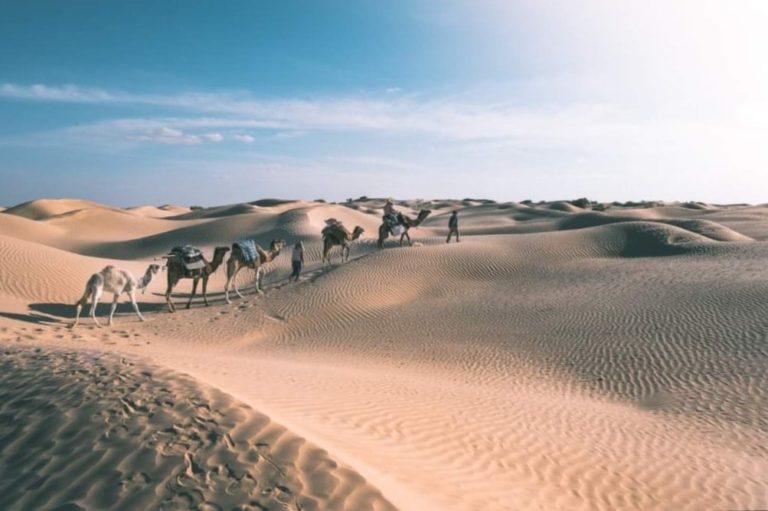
(297, 260)
(453, 227)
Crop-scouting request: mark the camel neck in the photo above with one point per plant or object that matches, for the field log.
(146, 279)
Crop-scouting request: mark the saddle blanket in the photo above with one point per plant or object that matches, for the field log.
(397, 230)
(190, 257)
(248, 249)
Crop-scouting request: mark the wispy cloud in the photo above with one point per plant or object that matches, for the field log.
(65, 93)
(244, 138)
(439, 132)
(166, 135)
(452, 118)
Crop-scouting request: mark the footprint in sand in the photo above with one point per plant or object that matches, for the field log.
(133, 481)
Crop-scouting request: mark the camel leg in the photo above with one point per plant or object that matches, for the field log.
(194, 290)
(345, 253)
(169, 300)
(231, 272)
(94, 302)
(136, 305)
(115, 298)
(234, 281)
(172, 281)
(383, 234)
(205, 290)
(259, 280)
(79, 306)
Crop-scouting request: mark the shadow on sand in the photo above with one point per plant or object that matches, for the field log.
(64, 313)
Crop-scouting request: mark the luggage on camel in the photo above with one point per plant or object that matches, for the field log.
(332, 225)
(190, 257)
(248, 249)
(394, 223)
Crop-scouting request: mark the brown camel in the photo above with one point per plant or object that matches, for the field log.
(338, 235)
(177, 271)
(237, 262)
(407, 223)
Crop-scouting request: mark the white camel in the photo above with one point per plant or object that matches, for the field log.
(116, 281)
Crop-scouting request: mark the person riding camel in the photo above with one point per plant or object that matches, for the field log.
(391, 216)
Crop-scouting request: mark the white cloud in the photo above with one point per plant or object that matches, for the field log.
(167, 135)
(479, 134)
(212, 137)
(65, 93)
(244, 138)
(457, 118)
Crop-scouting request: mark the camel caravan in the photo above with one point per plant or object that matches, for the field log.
(187, 262)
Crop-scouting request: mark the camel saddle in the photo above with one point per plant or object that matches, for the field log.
(248, 249)
(335, 227)
(190, 257)
(394, 223)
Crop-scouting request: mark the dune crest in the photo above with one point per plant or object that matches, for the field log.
(151, 439)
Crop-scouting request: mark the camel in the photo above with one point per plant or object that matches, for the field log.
(407, 223)
(237, 262)
(338, 235)
(116, 281)
(177, 271)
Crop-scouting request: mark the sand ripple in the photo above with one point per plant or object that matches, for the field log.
(94, 431)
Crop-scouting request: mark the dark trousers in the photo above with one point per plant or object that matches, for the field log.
(296, 269)
(451, 232)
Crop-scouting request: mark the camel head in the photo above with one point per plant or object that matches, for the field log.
(277, 245)
(218, 257)
(357, 232)
(220, 251)
(152, 270)
(423, 214)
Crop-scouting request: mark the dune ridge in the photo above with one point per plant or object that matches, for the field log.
(160, 439)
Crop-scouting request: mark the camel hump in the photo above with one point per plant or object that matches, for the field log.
(336, 229)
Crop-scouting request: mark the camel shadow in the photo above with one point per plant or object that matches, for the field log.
(57, 312)
(34, 318)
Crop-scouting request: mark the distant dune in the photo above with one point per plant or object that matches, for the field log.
(603, 357)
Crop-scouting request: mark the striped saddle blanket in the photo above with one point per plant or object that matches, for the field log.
(190, 257)
(248, 249)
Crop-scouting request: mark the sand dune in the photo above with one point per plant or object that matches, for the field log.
(705, 228)
(554, 359)
(101, 432)
(39, 273)
(44, 209)
(164, 211)
(564, 206)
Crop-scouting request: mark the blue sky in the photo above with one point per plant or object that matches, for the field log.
(215, 102)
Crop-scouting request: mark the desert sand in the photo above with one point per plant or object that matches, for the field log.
(611, 356)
